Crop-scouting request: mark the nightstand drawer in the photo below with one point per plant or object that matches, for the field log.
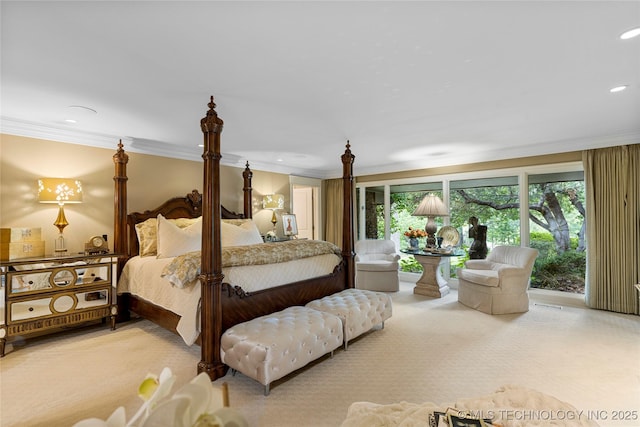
(40, 278)
(58, 304)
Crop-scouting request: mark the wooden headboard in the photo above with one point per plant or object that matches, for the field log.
(189, 206)
(125, 242)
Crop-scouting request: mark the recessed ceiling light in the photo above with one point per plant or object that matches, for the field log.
(77, 113)
(82, 109)
(634, 32)
(618, 89)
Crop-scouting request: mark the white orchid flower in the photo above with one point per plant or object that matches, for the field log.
(193, 405)
(197, 404)
(152, 390)
(117, 419)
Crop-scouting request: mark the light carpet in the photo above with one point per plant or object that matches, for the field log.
(431, 350)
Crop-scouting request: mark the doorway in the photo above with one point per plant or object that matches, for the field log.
(305, 201)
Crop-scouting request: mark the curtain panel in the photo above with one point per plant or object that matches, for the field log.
(612, 181)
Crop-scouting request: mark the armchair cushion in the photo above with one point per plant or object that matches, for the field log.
(481, 277)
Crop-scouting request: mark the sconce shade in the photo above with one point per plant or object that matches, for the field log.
(431, 206)
(59, 190)
(273, 201)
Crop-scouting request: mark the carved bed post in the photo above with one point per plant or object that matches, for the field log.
(347, 215)
(247, 174)
(120, 243)
(211, 265)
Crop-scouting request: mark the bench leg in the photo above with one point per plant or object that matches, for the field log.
(266, 390)
(382, 325)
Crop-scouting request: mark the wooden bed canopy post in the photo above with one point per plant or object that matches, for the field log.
(120, 243)
(211, 264)
(347, 221)
(247, 174)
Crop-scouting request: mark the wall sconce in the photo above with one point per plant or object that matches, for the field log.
(273, 202)
(60, 191)
(431, 206)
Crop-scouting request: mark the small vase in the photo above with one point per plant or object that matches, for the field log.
(413, 243)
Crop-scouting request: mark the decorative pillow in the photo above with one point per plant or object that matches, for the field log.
(147, 233)
(240, 235)
(174, 241)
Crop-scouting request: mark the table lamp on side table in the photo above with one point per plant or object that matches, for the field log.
(60, 191)
(273, 202)
(431, 206)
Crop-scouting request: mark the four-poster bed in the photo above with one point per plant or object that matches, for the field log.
(222, 304)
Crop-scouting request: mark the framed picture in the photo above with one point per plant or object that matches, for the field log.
(289, 225)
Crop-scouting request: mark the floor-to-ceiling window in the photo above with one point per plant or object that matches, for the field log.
(492, 203)
(557, 230)
(540, 206)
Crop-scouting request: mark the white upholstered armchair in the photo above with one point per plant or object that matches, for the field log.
(377, 265)
(499, 283)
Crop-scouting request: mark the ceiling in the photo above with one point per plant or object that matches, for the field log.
(410, 84)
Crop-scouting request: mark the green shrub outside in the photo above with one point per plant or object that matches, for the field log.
(562, 272)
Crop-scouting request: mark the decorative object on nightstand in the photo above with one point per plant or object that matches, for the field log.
(431, 206)
(60, 191)
(18, 243)
(289, 225)
(273, 202)
(96, 245)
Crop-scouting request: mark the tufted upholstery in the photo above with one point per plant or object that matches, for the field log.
(358, 309)
(498, 284)
(269, 347)
(377, 265)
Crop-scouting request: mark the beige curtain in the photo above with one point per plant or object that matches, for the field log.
(333, 210)
(612, 180)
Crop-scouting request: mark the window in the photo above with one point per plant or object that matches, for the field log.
(540, 206)
(557, 227)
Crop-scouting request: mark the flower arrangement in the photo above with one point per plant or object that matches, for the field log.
(197, 404)
(414, 233)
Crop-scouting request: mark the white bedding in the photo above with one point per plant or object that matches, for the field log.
(509, 406)
(141, 277)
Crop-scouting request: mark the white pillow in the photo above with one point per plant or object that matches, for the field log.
(174, 241)
(240, 235)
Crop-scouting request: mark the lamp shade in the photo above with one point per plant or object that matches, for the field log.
(59, 190)
(273, 201)
(431, 206)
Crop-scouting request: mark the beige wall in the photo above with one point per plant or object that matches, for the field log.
(152, 180)
(573, 156)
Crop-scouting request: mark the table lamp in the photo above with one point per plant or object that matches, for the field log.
(273, 202)
(60, 191)
(431, 206)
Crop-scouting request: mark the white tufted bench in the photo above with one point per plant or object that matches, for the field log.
(359, 309)
(269, 347)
